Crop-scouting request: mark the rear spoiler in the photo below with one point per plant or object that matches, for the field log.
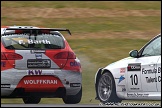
(40, 29)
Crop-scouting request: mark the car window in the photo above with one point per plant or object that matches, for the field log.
(40, 41)
(153, 48)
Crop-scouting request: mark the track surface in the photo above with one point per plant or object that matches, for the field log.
(81, 105)
(50, 105)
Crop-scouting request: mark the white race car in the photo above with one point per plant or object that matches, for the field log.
(135, 77)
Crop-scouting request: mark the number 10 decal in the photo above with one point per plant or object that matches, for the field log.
(134, 79)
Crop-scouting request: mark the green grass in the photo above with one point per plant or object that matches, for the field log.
(87, 25)
(105, 49)
(93, 52)
(125, 5)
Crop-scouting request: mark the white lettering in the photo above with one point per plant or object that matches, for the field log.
(43, 41)
(21, 42)
(44, 82)
(25, 81)
(135, 67)
(40, 81)
(31, 81)
(30, 41)
(36, 42)
(39, 41)
(47, 42)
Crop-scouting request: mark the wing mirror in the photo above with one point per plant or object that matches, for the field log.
(133, 53)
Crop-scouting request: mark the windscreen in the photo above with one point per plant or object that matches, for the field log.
(27, 41)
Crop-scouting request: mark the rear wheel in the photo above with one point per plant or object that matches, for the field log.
(106, 89)
(73, 99)
(31, 100)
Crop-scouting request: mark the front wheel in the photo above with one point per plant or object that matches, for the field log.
(106, 89)
(73, 99)
(31, 100)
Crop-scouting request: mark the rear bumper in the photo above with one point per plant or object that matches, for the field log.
(69, 83)
(20, 93)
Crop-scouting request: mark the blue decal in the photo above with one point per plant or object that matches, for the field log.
(3, 64)
(74, 64)
(34, 72)
(38, 56)
(121, 79)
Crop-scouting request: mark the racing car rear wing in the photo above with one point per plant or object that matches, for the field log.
(36, 30)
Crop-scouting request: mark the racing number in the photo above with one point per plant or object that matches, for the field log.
(134, 79)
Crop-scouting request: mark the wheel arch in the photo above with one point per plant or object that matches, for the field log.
(100, 72)
(98, 75)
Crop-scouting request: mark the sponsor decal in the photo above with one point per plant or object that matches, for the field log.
(5, 85)
(37, 83)
(38, 63)
(75, 84)
(134, 88)
(24, 34)
(45, 81)
(121, 79)
(154, 79)
(122, 70)
(37, 51)
(39, 72)
(3, 64)
(30, 41)
(74, 63)
(38, 56)
(152, 71)
(123, 89)
(159, 69)
(159, 78)
(34, 72)
(137, 95)
(149, 71)
(134, 67)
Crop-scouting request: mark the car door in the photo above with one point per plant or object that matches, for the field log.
(148, 73)
(141, 74)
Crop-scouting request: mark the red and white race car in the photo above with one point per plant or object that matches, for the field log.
(39, 63)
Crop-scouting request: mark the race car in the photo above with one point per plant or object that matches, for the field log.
(39, 63)
(137, 77)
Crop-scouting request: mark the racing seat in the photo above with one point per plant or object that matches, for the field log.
(8, 44)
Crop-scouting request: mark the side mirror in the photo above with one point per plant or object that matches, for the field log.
(133, 53)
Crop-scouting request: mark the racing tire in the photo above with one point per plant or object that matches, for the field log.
(73, 99)
(106, 90)
(31, 100)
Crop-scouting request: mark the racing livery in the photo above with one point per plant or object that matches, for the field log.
(39, 63)
(134, 77)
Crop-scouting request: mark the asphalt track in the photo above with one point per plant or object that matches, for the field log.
(71, 105)
(50, 105)
(85, 105)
